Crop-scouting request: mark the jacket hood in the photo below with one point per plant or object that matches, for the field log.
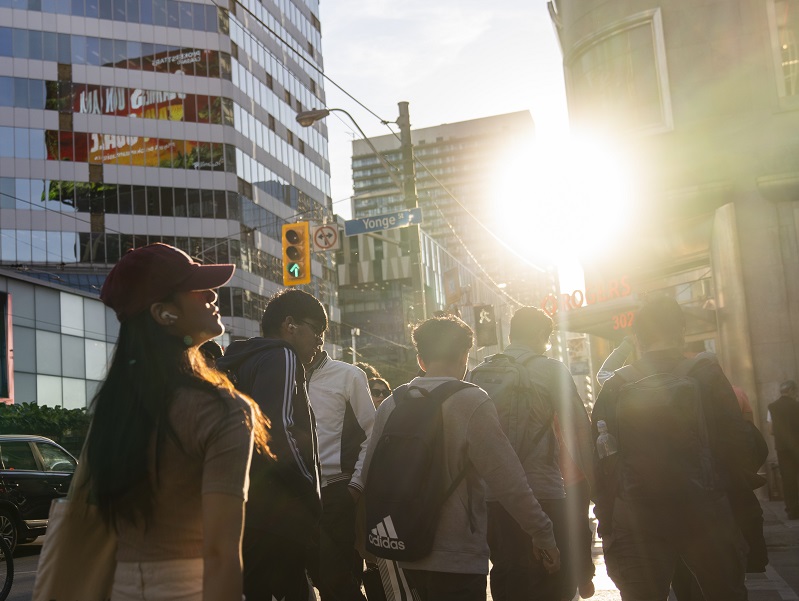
(240, 351)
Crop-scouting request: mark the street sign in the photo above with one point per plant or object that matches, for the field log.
(325, 237)
(378, 223)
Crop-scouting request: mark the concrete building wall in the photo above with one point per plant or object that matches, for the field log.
(719, 159)
(59, 342)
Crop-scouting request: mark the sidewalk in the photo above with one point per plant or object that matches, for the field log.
(781, 579)
(780, 582)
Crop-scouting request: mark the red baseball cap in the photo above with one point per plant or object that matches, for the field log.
(151, 273)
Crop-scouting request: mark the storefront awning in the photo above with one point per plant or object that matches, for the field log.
(613, 319)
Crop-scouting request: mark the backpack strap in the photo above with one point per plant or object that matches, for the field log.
(686, 366)
(629, 373)
(400, 393)
(440, 394)
(523, 360)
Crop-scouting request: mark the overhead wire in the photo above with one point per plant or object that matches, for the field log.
(387, 123)
(288, 45)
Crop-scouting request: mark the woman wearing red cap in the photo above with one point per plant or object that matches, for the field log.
(170, 445)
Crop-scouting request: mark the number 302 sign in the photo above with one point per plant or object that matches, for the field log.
(622, 321)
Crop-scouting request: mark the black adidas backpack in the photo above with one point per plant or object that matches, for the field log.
(406, 483)
(664, 450)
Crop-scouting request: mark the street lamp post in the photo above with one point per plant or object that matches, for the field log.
(407, 185)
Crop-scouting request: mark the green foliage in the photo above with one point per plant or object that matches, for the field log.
(68, 427)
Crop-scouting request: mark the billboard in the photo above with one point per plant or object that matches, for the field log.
(133, 150)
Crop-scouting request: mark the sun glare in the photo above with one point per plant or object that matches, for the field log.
(563, 201)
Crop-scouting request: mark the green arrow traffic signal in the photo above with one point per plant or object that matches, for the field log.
(296, 253)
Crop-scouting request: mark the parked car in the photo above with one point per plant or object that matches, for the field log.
(34, 470)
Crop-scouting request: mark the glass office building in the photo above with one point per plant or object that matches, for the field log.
(127, 122)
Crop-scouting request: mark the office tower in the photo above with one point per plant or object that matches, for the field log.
(460, 168)
(127, 122)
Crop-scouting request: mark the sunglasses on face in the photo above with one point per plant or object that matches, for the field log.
(315, 328)
(380, 392)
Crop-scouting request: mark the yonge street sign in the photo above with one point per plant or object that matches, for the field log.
(378, 223)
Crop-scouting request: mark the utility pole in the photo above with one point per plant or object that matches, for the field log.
(412, 202)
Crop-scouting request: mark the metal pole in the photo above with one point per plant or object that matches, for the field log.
(354, 332)
(411, 202)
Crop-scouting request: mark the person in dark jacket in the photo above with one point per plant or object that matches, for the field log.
(282, 513)
(783, 417)
(644, 539)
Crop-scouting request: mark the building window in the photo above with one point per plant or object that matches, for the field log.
(785, 35)
(618, 78)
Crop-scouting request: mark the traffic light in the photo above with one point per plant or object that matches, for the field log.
(485, 325)
(296, 254)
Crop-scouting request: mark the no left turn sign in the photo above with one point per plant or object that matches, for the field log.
(325, 237)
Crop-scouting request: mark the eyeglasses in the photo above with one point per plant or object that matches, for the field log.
(315, 328)
(380, 392)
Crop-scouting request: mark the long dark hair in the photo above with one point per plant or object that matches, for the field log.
(132, 405)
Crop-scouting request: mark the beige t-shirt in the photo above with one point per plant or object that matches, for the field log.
(213, 457)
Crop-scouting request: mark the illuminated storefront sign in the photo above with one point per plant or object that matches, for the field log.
(592, 295)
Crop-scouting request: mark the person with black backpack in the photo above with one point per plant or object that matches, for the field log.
(529, 390)
(436, 444)
(672, 438)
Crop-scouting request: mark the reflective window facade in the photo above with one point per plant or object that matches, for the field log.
(786, 34)
(619, 77)
(173, 121)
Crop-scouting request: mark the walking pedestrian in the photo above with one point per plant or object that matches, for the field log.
(783, 418)
(339, 395)
(284, 505)
(528, 417)
(474, 447)
(677, 435)
(170, 443)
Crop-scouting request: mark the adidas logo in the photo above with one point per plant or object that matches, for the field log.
(383, 535)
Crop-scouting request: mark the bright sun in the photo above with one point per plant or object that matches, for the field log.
(563, 200)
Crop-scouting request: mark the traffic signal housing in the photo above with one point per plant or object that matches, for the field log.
(485, 326)
(296, 253)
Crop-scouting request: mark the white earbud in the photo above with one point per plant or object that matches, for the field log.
(292, 326)
(167, 315)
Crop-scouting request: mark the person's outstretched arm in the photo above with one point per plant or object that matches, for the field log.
(615, 360)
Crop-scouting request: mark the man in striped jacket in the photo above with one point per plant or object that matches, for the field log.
(283, 508)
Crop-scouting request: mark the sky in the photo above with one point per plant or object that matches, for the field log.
(452, 60)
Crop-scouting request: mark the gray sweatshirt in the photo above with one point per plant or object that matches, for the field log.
(473, 438)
